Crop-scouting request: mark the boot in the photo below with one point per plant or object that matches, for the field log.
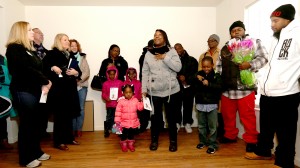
(130, 144)
(106, 129)
(173, 146)
(154, 143)
(5, 145)
(123, 145)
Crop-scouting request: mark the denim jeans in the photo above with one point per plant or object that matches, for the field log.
(78, 121)
(209, 119)
(29, 126)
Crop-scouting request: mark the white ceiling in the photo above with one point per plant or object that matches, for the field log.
(186, 3)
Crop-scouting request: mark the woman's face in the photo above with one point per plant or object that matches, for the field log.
(114, 52)
(159, 40)
(30, 33)
(73, 47)
(65, 42)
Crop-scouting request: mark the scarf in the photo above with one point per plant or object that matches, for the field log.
(160, 50)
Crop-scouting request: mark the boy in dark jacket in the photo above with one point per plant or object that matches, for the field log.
(209, 87)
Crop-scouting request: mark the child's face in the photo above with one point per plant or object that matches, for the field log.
(128, 93)
(131, 74)
(207, 66)
(111, 75)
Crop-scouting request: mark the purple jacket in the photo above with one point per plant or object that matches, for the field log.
(116, 83)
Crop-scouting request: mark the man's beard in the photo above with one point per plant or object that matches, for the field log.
(277, 34)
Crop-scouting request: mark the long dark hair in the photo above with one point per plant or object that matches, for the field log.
(165, 36)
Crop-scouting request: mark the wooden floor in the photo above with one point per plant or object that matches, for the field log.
(97, 151)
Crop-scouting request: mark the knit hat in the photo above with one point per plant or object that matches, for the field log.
(214, 36)
(237, 24)
(286, 11)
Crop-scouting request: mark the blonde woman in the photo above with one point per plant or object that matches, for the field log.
(63, 98)
(27, 85)
(82, 85)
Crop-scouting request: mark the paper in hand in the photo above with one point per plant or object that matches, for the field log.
(147, 104)
(113, 94)
(43, 98)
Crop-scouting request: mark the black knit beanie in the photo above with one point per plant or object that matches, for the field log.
(237, 24)
(286, 11)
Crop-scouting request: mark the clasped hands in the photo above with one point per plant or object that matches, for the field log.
(159, 56)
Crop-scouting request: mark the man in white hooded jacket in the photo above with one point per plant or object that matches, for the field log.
(279, 88)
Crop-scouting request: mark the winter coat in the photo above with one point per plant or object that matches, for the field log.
(4, 87)
(63, 95)
(115, 83)
(126, 112)
(210, 94)
(120, 63)
(136, 83)
(160, 76)
(25, 68)
(189, 68)
(280, 77)
(84, 67)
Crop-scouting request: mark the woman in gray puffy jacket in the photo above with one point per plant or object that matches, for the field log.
(159, 81)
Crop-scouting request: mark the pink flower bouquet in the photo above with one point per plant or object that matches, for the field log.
(243, 51)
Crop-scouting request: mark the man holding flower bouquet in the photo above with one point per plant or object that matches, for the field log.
(239, 59)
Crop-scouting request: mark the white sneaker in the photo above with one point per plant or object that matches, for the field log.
(188, 128)
(178, 127)
(34, 163)
(44, 157)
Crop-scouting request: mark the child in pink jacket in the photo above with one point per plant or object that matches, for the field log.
(126, 116)
(112, 83)
(131, 78)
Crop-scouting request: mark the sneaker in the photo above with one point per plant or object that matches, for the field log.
(188, 128)
(200, 146)
(253, 156)
(44, 157)
(178, 127)
(34, 163)
(211, 151)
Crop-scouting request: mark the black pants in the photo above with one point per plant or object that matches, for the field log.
(44, 118)
(170, 108)
(127, 133)
(279, 115)
(144, 117)
(63, 127)
(187, 103)
(3, 128)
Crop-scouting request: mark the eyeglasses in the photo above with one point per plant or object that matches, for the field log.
(210, 41)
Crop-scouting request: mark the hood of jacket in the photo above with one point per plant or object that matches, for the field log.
(127, 76)
(112, 68)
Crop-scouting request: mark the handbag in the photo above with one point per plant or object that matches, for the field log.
(97, 82)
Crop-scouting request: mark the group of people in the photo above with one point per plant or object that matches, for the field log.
(170, 79)
(37, 73)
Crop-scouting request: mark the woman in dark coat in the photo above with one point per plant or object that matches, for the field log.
(63, 98)
(114, 59)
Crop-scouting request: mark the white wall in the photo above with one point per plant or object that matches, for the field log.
(229, 11)
(10, 12)
(131, 28)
